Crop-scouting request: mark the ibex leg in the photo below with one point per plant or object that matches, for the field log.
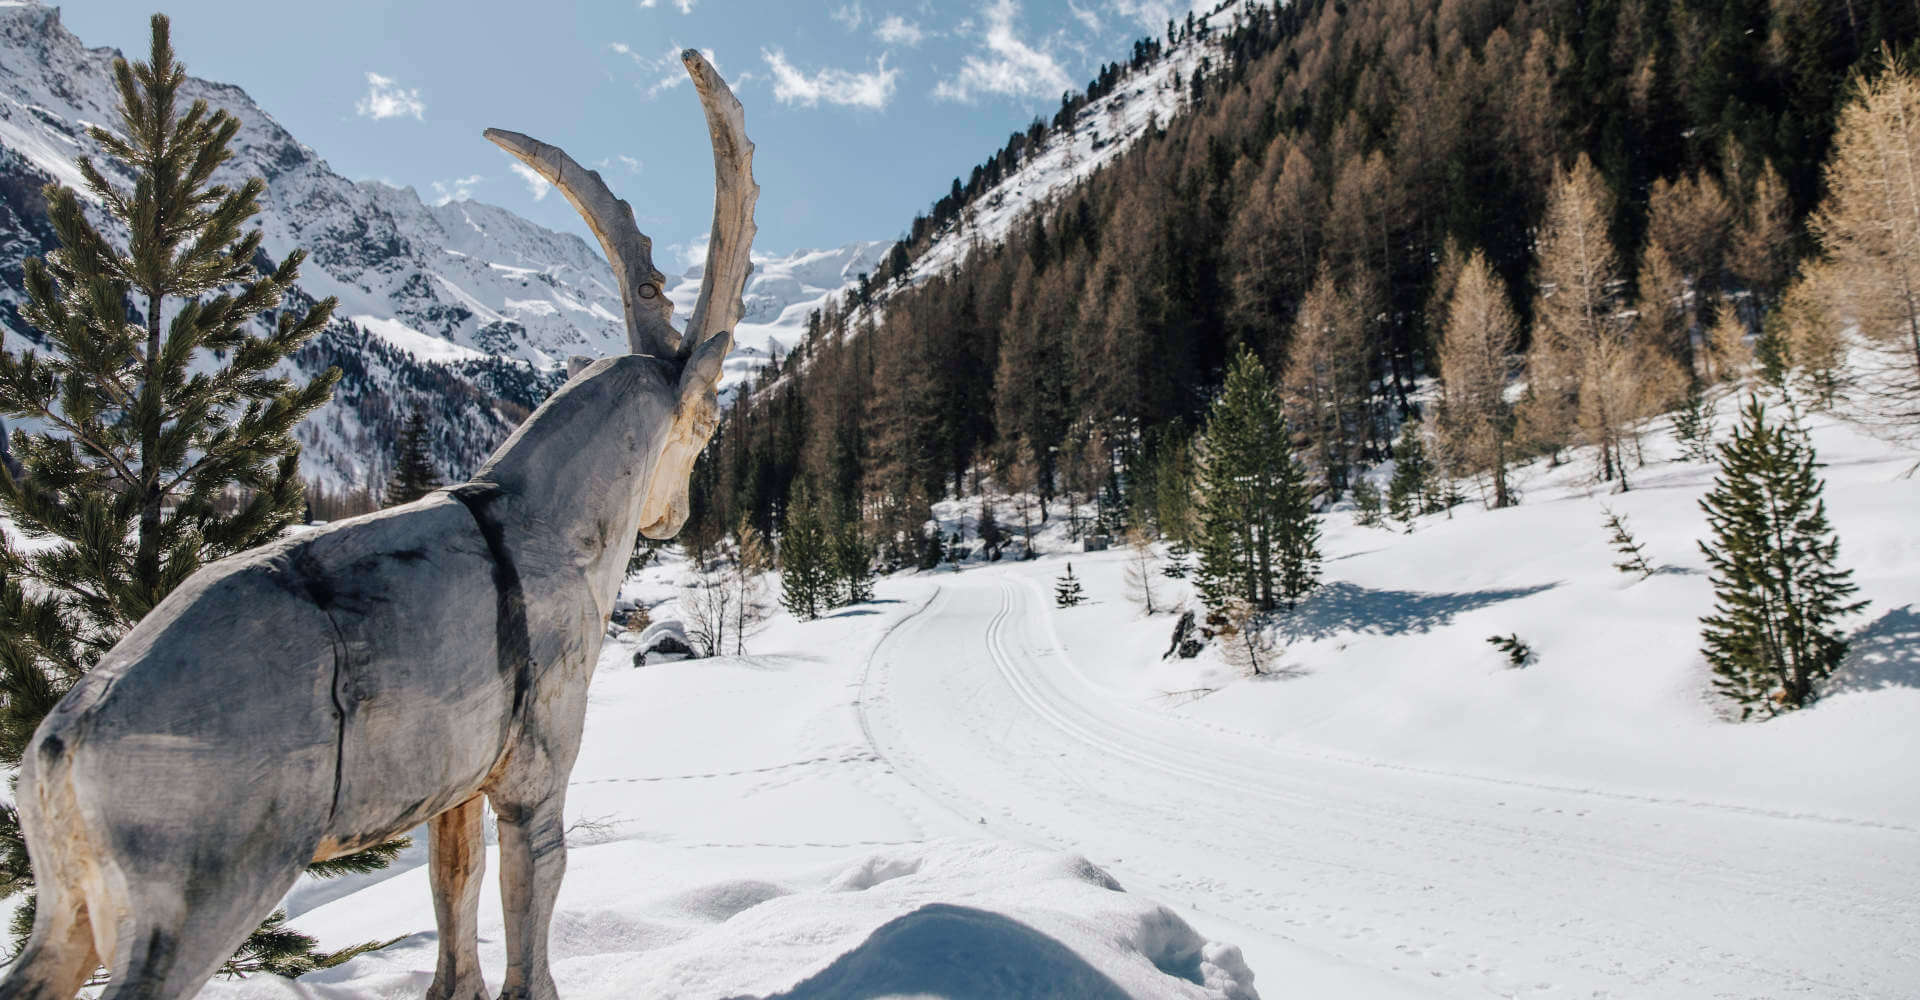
(179, 925)
(533, 857)
(59, 957)
(456, 859)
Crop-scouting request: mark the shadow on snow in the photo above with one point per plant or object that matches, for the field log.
(1885, 654)
(1348, 607)
(940, 950)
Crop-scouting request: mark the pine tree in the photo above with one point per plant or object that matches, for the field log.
(1256, 514)
(1693, 424)
(413, 473)
(1366, 503)
(1633, 555)
(1066, 590)
(852, 557)
(1773, 557)
(168, 441)
(1410, 491)
(806, 568)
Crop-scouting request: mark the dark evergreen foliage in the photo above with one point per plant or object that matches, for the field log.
(1633, 554)
(1778, 589)
(1693, 425)
(1259, 535)
(807, 568)
(414, 475)
(1066, 590)
(1519, 654)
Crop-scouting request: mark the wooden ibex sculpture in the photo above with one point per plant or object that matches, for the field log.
(317, 696)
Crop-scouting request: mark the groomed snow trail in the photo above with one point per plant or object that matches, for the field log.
(1448, 885)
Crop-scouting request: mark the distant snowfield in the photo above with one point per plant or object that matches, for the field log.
(907, 797)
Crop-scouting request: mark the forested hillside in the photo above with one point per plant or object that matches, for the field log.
(1641, 170)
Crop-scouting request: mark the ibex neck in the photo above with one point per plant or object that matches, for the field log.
(577, 471)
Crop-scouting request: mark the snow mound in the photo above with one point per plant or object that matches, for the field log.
(949, 918)
(952, 919)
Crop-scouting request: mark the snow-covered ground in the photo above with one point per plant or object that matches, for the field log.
(952, 780)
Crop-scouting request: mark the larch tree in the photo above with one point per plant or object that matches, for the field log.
(1575, 310)
(1760, 252)
(167, 435)
(1325, 385)
(1476, 356)
(1868, 229)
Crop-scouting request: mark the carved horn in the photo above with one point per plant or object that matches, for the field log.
(730, 246)
(642, 287)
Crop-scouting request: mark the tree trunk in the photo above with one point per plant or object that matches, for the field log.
(146, 564)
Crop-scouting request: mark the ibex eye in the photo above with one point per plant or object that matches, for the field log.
(648, 291)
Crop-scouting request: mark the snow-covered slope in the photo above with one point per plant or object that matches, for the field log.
(780, 294)
(1101, 132)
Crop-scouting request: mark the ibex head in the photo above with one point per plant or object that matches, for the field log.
(649, 313)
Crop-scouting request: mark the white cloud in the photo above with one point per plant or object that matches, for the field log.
(666, 69)
(627, 163)
(458, 189)
(896, 30)
(537, 185)
(1152, 15)
(1008, 66)
(851, 15)
(1086, 16)
(387, 99)
(686, 6)
(834, 86)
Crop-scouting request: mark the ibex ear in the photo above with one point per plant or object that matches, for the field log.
(702, 373)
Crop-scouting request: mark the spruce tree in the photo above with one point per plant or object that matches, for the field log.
(1409, 492)
(1066, 590)
(1773, 556)
(1633, 554)
(1693, 424)
(1366, 502)
(852, 557)
(806, 568)
(1258, 534)
(166, 439)
(413, 473)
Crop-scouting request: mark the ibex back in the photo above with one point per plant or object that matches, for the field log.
(314, 697)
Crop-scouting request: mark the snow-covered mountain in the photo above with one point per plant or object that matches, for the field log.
(780, 294)
(1101, 131)
(464, 308)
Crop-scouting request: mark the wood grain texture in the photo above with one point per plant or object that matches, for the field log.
(331, 691)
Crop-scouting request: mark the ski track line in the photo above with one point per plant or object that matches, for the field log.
(1410, 811)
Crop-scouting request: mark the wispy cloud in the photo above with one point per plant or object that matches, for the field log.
(897, 30)
(624, 162)
(458, 189)
(1006, 64)
(1149, 14)
(851, 15)
(537, 186)
(1087, 16)
(835, 86)
(387, 99)
(664, 71)
(686, 6)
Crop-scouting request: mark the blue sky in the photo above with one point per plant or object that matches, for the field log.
(863, 111)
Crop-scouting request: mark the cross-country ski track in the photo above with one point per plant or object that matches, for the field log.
(1414, 882)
